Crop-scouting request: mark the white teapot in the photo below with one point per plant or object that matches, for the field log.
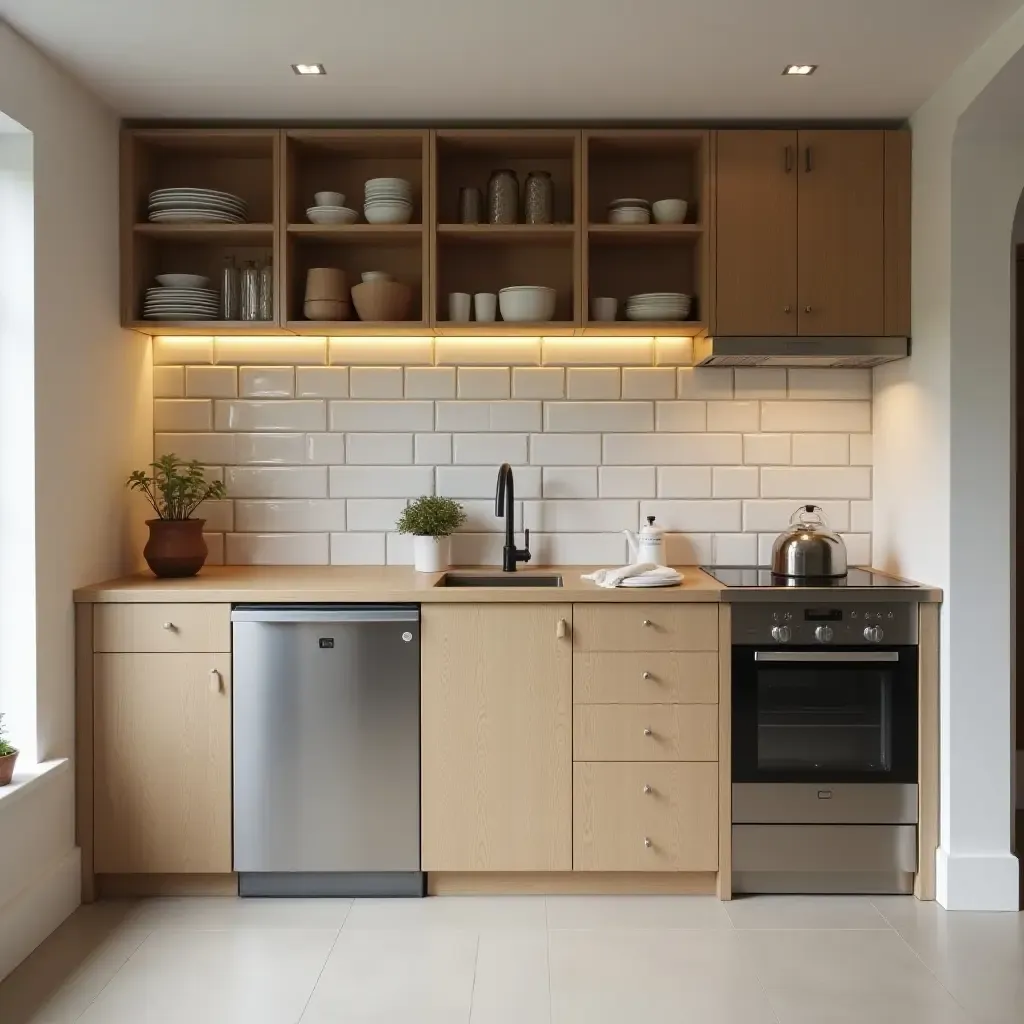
(648, 545)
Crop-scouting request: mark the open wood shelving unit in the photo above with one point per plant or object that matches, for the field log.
(278, 171)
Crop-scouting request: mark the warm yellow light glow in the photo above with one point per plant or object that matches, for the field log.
(800, 69)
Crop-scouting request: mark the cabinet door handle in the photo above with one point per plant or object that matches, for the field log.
(648, 731)
(562, 629)
(648, 623)
(215, 682)
(808, 161)
(789, 159)
(170, 627)
(808, 309)
(787, 309)
(647, 675)
(647, 842)
(647, 789)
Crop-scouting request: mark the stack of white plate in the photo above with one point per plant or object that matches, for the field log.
(658, 306)
(629, 211)
(181, 304)
(388, 201)
(196, 206)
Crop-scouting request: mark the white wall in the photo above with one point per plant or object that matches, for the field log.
(943, 451)
(93, 421)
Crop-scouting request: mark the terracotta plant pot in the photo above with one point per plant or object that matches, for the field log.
(7, 768)
(176, 547)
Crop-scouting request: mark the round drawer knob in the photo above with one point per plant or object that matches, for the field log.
(647, 622)
(647, 675)
(647, 842)
(647, 789)
(648, 732)
(808, 309)
(170, 626)
(787, 309)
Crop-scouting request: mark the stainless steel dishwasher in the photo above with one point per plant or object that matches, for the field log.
(326, 726)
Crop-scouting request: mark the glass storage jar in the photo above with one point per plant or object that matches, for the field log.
(503, 197)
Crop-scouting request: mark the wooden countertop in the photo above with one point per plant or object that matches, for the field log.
(380, 584)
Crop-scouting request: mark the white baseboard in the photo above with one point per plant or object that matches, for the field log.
(38, 910)
(977, 882)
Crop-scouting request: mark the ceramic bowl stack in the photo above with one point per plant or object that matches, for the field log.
(658, 306)
(181, 297)
(329, 208)
(196, 206)
(327, 296)
(388, 201)
(629, 211)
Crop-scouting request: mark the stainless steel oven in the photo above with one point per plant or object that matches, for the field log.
(824, 747)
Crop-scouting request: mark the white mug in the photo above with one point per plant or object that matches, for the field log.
(329, 199)
(458, 307)
(603, 309)
(485, 307)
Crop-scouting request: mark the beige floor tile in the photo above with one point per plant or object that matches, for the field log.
(804, 912)
(461, 912)
(847, 977)
(218, 913)
(376, 976)
(511, 983)
(608, 977)
(636, 912)
(237, 976)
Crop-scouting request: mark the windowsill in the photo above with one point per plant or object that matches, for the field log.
(31, 777)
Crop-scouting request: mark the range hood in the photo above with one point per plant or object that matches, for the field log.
(802, 351)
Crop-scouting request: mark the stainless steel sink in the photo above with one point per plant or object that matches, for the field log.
(510, 579)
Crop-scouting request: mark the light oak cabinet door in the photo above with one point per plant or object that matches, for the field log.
(756, 233)
(496, 737)
(841, 236)
(162, 756)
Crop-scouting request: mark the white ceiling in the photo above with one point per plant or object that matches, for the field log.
(510, 59)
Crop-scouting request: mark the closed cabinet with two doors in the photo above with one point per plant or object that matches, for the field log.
(812, 232)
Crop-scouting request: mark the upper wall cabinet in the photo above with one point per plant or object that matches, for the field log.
(812, 232)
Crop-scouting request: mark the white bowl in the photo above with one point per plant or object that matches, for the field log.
(376, 275)
(398, 184)
(629, 201)
(329, 199)
(387, 213)
(629, 215)
(669, 211)
(527, 303)
(332, 215)
(182, 280)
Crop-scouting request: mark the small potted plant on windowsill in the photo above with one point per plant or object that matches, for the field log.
(431, 520)
(8, 755)
(175, 490)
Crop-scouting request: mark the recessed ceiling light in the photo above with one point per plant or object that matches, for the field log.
(800, 69)
(309, 69)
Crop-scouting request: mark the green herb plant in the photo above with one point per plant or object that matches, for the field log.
(176, 488)
(5, 748)
(431, 516)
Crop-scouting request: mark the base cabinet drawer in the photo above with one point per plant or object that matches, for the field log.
(162, 628)
(645, 678)
(645, 817)
(645, 627)
(645, 732)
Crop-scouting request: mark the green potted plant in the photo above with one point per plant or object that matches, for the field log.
(8, 755)
(431, 520)
(175, 490)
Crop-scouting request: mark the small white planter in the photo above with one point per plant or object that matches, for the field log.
(431, 554)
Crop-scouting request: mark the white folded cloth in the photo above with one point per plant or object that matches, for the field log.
(648, 570)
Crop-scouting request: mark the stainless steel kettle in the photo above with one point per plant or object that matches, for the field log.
(808, 548)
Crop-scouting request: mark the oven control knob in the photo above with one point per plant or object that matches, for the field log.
(873, 634)
(781, 633)
(823, 633)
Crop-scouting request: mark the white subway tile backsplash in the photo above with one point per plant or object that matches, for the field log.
(211, 381)
(476, 382)
(481, 481)
(433, 449)
(593, 382)
(673, 351)
(648, 382)
(374, 514)
(538, 382)
(590, 549)
(210, 449)
(579, 516)
(759, 382)
(276, 481)
(829, 383)
(766, 449)
(627, 482)
(214, 547)
(270, 351)
(858, 548)
(598, 351)
(277, 549)
(378, 449)
(684, 482)
(821, 449)
(695, 516)
(600, 417)
(480, 517)
(735, 549)
(570, 481)
(325, 449)
(219, 516)
(847, 417)
(773, 516)
(860, 450)
(466, 416)
(689, 548)
(168, 381)
(711, 383)
(681, 416)
(724, 417)
(292, 516)
(735, 482)
(381, 351)
(266, 382)
(321, 382)
(786, 482)
(477, 548)
(399, 549)
(489, 449)
(430, 382)
(358, 549)
(381, 481)
(269, 449)
(765, 543)
(258, 416)
(672, 449)
(382, 416)
(173, 351)
(861, 516)
(487, 351)
(565, 449)
(376, 381)
(182, 414)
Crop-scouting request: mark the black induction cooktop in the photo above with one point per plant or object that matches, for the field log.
(762, 576)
